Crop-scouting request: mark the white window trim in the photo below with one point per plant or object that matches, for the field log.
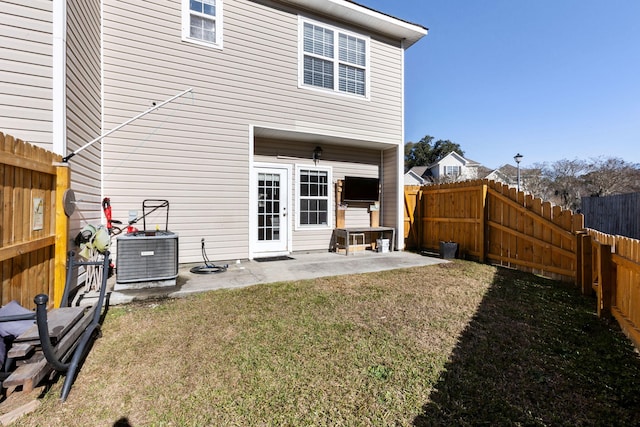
(458, 171)
(186, 22)
(336, 31)
(330, 207)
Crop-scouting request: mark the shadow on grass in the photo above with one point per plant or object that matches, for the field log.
(536, 354)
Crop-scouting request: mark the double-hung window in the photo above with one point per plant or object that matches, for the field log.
(202, 22)
(452, 170)
(333, 59)
(313, 197)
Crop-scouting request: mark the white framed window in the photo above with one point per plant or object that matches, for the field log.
(202, 22)
(452, 170)
(313, 197)
(333, 59)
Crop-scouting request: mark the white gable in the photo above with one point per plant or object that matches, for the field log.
(454, 166)
(412, 178)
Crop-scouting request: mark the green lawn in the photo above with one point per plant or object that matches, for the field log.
(450, 344)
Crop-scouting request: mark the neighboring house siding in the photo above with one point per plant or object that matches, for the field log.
(26, 71)
(447, 161)
(411, 179)
(195, 151)
(456, 162)
(469, 172)
(84, 106)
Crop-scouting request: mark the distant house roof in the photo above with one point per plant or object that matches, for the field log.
(425, 171)
(472, 163)
(419, 170)
(466, 162)
(505, 173)
(412, 178)
(484, 172)
(509, 170)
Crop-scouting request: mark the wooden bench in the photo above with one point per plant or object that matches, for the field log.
(344, 234)
(65, 327)
(59, 339)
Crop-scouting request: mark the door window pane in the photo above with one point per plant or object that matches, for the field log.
(268, 206)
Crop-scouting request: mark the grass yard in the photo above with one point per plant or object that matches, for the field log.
(450, 344)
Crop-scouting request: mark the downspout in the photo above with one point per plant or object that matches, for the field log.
(59, 77)
(382, 181)
(59, 138)
(400, 175)
(102, 189)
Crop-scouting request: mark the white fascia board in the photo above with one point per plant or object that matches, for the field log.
(370, 19)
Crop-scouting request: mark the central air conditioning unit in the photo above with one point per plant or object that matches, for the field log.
(147, 258)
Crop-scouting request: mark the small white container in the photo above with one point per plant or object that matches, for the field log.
(382, 245)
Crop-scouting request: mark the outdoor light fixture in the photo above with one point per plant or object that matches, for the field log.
(317, 153)
(518, 159)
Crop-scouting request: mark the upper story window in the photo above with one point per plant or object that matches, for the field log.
(452, 170)
(202, 22)
(333, 59)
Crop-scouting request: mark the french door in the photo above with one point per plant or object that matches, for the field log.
(271, 210)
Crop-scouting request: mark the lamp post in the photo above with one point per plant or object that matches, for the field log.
(518, 159)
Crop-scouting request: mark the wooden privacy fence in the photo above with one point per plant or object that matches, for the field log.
(33, 236)
(493, 222)
(610, 266)
(617, 214)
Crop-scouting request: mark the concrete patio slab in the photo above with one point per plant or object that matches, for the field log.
(248, 273)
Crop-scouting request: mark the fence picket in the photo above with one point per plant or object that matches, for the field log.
(26, 254)
(490, 220)
(615, 214)
(620, 264)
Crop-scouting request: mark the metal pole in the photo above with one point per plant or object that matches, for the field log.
(104, 135)
(518, 159)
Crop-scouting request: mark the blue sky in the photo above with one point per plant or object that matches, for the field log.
(550, 79)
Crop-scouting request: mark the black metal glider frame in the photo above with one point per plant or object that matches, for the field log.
(70, 368)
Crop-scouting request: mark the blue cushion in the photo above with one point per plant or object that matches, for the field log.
(16, 327)
(3, 352)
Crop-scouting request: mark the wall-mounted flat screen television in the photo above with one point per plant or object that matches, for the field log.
(359, 189)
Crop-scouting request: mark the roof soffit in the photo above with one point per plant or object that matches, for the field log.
(362, 16)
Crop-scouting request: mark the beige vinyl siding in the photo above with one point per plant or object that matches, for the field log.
(390, 200)
(26, 71)
(340, 160)
(195, 151)
(84, 107)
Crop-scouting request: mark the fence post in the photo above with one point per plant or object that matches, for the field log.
(418, 214)
(604, 278)
(63, 182)
(585, 264)
(579, 271)
(483, 222)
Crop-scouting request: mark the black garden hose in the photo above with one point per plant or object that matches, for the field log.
(208, 266)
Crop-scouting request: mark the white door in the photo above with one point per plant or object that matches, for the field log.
(272, 222)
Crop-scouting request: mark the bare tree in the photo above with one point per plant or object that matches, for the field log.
(536, 182)
(565, 182)
(608, 176)
(559, 182)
